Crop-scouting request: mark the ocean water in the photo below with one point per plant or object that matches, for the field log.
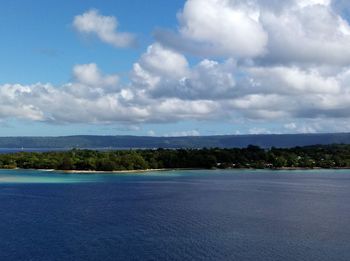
(175, 215)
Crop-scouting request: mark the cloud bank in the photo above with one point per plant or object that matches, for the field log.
(272, 61)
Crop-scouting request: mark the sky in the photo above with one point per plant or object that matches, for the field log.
(174, 68)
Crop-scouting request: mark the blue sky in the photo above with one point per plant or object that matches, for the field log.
(173, 68)
(39, 43)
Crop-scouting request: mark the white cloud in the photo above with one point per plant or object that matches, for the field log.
(166, 73)
(209, 90)
(89, 99)
(291, 31)
(284, 62)
(171, 109)
(104, 27)
(282, 67)
(217, 28)
(89, 81)
(209, 80)
(290, 126)
(305, 3)
(89, 74)
(156, 64)
(259, 131)
(163, 61)
(151, 133)
(282, 79)
(182, 133)
(306, 35)
(302, 128)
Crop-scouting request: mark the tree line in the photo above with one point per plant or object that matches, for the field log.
(319, 156)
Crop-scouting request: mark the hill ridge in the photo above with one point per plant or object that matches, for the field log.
(130, 141)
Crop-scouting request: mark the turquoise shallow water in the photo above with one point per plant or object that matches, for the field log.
(175, 215)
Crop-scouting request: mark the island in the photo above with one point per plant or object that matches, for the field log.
(317, 156)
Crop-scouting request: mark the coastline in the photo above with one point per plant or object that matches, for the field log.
(175, 169)
(102, 171)
(111, 171)
(167, 169)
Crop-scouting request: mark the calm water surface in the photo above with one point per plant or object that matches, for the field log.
(175, 215)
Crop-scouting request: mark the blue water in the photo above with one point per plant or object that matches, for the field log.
(176, 215)
(14, 150)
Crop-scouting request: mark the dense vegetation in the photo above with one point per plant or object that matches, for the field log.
(326, 156)
(220, 141)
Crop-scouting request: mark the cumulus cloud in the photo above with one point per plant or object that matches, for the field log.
(299, 70)
(163, 61)
(306, 34)
(217, 28)
(209, 80)
(104, 27)
(209, 90)
(157, 64)
(166, 73)
(284, 62)
(89, 74)
(89, 98)
(292, 31)
(291, 80)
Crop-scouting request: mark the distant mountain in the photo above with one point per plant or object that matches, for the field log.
(222, 141)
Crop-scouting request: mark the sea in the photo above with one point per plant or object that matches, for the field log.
(175, 215)
(15, 150)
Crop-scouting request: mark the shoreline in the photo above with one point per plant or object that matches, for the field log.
(166, 169)
(111, 171)
(102, 171)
